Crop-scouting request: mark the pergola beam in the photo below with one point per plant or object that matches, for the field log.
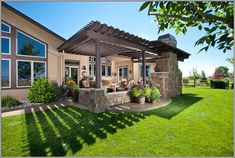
(97, 64)
(116, 41)
(143, 67)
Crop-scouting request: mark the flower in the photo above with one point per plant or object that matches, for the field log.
(70, 82)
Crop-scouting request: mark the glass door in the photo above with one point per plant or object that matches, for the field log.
(122, 73)
(72, 72)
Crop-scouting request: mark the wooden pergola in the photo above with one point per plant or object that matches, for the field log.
(101, 40)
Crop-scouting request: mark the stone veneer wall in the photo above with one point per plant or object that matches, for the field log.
(97, 100)
(168, 76)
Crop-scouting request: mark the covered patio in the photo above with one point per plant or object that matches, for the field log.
(100, 40)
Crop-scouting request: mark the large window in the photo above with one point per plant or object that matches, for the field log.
(147, 71)
(105, 68)
(29, 46)
(28, 71)
(5, 28)
(6, 45)
(6, 74)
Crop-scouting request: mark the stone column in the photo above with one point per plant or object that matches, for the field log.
(168, 77)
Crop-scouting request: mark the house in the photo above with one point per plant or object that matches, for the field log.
(30, 50)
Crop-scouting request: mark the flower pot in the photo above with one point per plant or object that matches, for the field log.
(141, 99)
(147, 100)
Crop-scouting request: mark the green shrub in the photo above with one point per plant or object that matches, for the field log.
(41, 91)
(9, 101)
(232, 85)
(57, 89)
(136, 92)
(75, 93)
(219, 84)
(155, 95)
(185, 81)
(147, 91)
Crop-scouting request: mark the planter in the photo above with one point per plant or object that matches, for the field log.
(147, 100)
(110, 90)
(141, 99)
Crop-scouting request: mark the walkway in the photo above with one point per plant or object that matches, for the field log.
(128, 107)
(135, 107)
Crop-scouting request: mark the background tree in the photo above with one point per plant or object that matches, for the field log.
(194, 75)
(216, 18)
(29, 49)
(203, 75)
(221, 72)
(231, 60)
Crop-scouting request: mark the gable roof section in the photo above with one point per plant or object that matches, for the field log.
(32, 21)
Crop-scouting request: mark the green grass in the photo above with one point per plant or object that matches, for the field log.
(198, 123)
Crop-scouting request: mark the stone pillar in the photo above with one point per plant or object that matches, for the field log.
(167, 76)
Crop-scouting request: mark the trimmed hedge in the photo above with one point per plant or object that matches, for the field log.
(41, 91)
(219, 84)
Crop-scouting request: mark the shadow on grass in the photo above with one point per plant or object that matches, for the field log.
(177, 105)
(57, 131)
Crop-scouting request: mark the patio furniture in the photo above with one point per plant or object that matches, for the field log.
(126, 85)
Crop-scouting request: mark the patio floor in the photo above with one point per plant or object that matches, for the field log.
(135, 107)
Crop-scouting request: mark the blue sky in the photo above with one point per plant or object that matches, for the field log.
(66, 18)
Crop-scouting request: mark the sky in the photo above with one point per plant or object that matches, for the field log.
(66, 18)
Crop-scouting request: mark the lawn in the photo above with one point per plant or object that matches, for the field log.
(198, 123)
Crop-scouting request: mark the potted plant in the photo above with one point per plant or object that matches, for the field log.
(138, 95)
(75, 93)
(154, 95)
(69, 87)
(147, 91)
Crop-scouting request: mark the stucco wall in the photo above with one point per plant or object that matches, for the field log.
(53, 65)
(20, 94)
(136, 70)
(122, 64)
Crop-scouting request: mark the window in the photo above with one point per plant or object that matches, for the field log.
(105, 68)
(109, 70)
(39, 70)
(24, 73)
(28, 71)
(6, 79)
(29, 46)
(122, 73)
(6, 45)
(147, 71)
(5, 28)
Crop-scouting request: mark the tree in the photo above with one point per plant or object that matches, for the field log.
(216, 18)
(194, 75)
(29, 49)
(221, 72)
(203, 75)
(231, 60)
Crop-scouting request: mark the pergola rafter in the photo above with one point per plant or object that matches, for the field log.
(101, 40)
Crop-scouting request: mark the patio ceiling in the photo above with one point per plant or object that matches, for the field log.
(115, 41)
